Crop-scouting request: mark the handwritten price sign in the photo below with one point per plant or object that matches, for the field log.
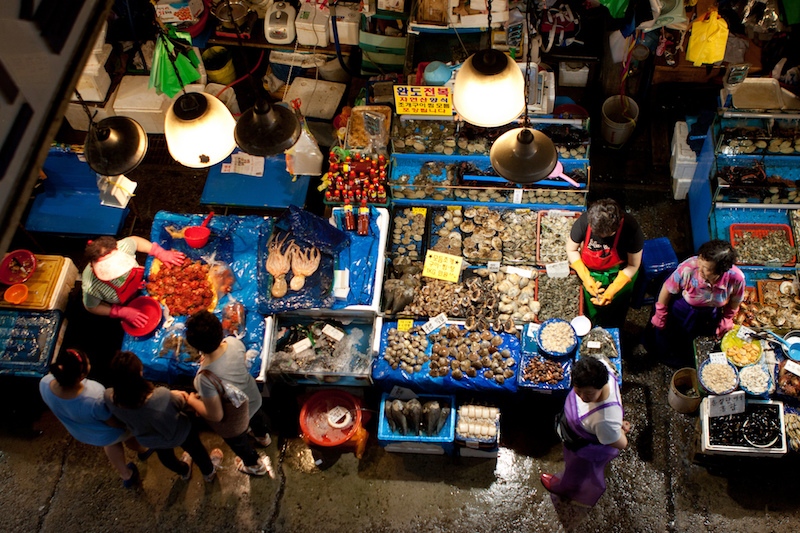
(442, 266)
(414, 100)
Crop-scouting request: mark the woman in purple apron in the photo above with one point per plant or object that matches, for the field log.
(113, 277)
(593, 413)
(699, 299)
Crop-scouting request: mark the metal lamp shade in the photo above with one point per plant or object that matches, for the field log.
(266, 129)
(523, 155)
(115, 145)
(199, 130)
(489, 89)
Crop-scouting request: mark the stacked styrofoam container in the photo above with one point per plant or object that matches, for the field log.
(94, 81)
(682, 163)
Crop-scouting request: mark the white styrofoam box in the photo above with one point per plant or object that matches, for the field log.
(680, 188)
(144, 105)
(101, 39)
(94, 81)
(76, 115)
(498, 6)
(481, 20)
(348, 20)
(64, 284)
(683, 160)
(573, 74)
(311, 25)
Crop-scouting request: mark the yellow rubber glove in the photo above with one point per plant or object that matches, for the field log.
(592, 285)
(605, 297)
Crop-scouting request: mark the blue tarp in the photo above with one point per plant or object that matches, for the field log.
(361, 258)
(234, 242)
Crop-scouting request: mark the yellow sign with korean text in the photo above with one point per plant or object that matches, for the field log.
(415, 100)
(405, 324)
(442, 266)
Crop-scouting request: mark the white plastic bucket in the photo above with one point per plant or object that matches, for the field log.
(620, 114)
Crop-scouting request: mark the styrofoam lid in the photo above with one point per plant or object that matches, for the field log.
(133, 95)
(347, 13)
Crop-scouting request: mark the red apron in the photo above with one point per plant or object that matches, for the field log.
(600, 259)
(130, 287)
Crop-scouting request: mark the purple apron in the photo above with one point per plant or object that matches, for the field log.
(583, 479)
(685, 322)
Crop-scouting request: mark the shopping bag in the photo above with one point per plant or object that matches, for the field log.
(617, 8)
(708, 40)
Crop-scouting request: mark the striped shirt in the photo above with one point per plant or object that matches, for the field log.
(96, 291)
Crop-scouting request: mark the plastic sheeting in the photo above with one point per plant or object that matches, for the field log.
(361, 258)
(383, 373)
(234, 242)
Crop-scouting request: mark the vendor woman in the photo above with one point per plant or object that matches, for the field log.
(113, 277)
(700, 298)
(605, 250)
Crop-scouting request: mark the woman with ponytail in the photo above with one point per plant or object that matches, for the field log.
(78, 403)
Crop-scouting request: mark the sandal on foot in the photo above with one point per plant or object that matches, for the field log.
(216, 456)
(259, 469)
(186, 458)
(134, 479)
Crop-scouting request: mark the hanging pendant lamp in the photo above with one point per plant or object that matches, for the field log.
(199, 130)
(523, 155)
(115, 145)
(489, 89)
(266, 129)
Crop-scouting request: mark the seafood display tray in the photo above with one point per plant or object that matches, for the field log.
(370, 342)
(563, 385)
(543, 214)
(32, 340)
(716, 449)
(764, 287)
(410, 443)
(761, 231)
(529, 346)
(421, 381)
(393, 246)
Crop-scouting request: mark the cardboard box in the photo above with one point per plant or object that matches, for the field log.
(169, 11)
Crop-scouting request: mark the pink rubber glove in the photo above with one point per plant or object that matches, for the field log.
(725, 325)
(659, 319)
(166, 256)
(132, 316)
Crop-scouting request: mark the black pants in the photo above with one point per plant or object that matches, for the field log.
(242, 446)
(196, 450)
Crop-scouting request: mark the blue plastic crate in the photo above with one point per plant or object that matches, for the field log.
(29, 340)
(444, 439)
(658, 256)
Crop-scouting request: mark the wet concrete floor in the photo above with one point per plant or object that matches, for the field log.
(51, 483)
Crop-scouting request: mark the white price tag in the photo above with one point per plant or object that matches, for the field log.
(246, 164)
(558, 270)
(434, 323)
(717, 358)
(792, 367)
(594, 345)
(521, 272)
(337, 417)
(744, 333)
(561, 212)
(493, 266)
(299, 346)
(333, 333)
(728, 404)
(517, 196)
(532, 329)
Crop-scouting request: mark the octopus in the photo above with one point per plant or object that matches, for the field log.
(304, 263)
(279, 261)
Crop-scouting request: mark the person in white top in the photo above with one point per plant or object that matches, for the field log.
(597, 432)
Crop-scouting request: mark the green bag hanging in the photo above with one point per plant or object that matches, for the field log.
(168, 53)
(617, 8)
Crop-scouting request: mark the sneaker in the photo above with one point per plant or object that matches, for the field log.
(259, 469)
(216, 460)
(186, 458)
(146, 455)
(134, 479)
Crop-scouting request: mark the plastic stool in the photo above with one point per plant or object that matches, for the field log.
(658, 261)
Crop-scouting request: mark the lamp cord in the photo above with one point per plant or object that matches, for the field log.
(529, 8)
(85, 108)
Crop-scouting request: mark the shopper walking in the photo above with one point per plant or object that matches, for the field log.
(78, 403)
(605, 250)
(593, 431)
(156, 417)
(223, 374)
(113, 277)
(700, 298)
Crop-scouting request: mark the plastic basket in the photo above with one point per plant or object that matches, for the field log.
(760, 231)
(578, 295)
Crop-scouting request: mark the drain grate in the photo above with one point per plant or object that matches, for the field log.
(158, 154)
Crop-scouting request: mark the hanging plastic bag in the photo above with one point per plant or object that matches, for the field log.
(233, 318)
(617, 8)
(173, 52)
(708, 40)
